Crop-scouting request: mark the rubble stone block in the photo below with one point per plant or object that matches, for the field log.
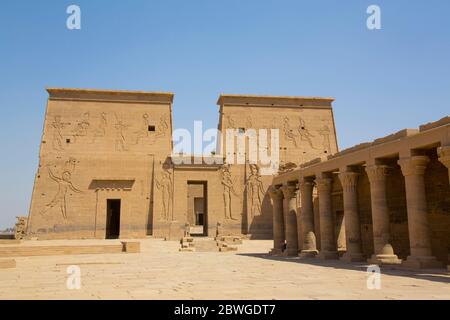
(131, 247)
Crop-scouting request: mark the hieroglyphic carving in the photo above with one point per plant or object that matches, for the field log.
(165, 185)
(64, 185)
(304, 133)
(70, 164)
(82, 127)
(58, 126)
(249, 123)
(230, 122)
(228, 192)
(325, 133)
(289, 134)
(255, 191)
(120, 143)
(142, 133)
(100, 132)
(274, 124)
(163, 126)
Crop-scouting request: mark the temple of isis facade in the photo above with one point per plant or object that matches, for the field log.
(387, 202)
(106, 168)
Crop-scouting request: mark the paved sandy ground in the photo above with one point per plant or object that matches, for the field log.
(161, 272)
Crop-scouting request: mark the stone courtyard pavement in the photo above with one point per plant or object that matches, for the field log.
(161, 272)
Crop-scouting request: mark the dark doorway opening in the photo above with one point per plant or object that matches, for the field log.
(198, 208)
(113, 219)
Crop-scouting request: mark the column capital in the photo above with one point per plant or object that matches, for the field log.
(444, 155)
(414, 165)
(289, 192)
(324, 184)
(275, 193)
(377, 172)
(305, 183)
(348, 180)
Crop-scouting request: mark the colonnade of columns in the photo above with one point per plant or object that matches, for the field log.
(285, 214)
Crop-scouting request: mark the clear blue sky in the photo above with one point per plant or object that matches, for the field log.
(383, 80)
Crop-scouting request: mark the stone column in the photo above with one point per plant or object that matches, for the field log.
(349, 182)
(307, 208)
(328, 248)
(290, 193)
(444, 157)
(384, 252)
(278, 220)
(413, 169)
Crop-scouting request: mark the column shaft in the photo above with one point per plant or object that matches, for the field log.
(413, 169)
(278, 220)
(351, 215)
(384, 252)
(328, 248)
(290, 204)
(444, 157)
(307, 217)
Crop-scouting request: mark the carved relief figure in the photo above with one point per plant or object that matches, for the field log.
(163, 126)
(165, 185)
(120, 136)
(100, 132)
(64, 185)
(288, 132)
(325, 133)
(228, 192)
(142, 133)
(70, 164)
(58, 126)
(230, 122)
(274, 124)
(81, 129)
(249, 123)
(255, 191)
(304, 133)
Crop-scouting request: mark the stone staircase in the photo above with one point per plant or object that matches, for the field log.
(219, 244)
(206, 245)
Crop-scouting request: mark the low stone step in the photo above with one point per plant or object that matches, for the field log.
(209, 244)
(7, 263)
(227, 249)
(9, 241)
(230, 239)
(29, 251)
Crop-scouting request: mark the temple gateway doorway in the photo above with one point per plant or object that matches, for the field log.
(197, 208)
(113, 218)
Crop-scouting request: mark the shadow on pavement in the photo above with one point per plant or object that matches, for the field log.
(437, 275)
